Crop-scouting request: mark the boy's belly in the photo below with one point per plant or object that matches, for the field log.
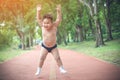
(49, 43)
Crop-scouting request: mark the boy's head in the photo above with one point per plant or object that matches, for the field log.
(47, 21)
(48, 16)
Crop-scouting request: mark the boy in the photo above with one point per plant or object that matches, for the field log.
(49, 30)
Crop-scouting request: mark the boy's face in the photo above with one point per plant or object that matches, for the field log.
(47, 23)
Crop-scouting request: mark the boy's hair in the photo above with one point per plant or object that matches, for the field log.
(48, 16)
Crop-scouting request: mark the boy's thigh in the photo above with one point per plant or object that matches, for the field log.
(55, 52)
(43, 52)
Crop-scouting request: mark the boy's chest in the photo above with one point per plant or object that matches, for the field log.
(49, 32)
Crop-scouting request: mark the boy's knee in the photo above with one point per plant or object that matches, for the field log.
(57, 58)
(42, 58)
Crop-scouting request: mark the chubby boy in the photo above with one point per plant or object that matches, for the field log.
(49, 45)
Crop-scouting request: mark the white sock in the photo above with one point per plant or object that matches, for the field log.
(38, 71)
(62, 70)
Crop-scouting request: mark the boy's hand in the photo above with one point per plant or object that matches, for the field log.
(58, 7)
(39, 7)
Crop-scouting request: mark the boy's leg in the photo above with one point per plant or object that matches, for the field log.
(43, 54)
(56, 55)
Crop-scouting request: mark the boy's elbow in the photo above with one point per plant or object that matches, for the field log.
(38, 20)
(60, 19)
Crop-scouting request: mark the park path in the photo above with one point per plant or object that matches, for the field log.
(79, 67)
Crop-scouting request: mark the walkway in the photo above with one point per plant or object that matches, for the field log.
(79, 67)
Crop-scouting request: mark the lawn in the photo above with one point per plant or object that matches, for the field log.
(10, 52)
(110, 52)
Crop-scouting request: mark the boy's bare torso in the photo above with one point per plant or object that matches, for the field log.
(49, 28)
(49, 35)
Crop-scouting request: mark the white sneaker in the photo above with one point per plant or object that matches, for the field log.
(62, 70)
(38, 72)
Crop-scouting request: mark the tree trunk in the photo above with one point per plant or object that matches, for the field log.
(30, 40)
(77, 34)
(76, 37)
(108, 23)
(68, 38)
(23, 42)
(22, 38)
(91, 27)
(99, 38)
(85, 31)
(90, 20)
(80, 31)
(27, 42)
(64, 39)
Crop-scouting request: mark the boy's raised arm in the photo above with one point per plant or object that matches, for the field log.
(39, 19)
(59, 15)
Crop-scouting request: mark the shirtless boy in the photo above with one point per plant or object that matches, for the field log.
(49, 30)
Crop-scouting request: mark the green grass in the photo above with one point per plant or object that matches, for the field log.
(9, 53)
(110, 52)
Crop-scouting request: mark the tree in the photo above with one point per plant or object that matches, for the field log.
(94, 13)
(20, 19)
(108, 23)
